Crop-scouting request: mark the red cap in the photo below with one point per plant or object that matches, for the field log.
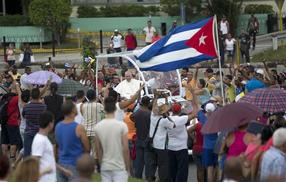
(176, 108)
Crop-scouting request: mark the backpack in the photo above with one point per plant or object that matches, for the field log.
(3, 108)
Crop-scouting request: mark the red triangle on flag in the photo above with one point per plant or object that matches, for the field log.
(204, 41)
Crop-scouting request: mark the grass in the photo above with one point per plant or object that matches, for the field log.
(277, 56)
(96, 178)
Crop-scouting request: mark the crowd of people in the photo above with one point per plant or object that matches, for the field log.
(123, 132)
(45, 136)
(245, 41)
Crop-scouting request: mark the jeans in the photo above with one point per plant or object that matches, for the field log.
(114, 176)
(28, 140)
(120, 58)
(63, 178)
(141, 159)
(150, 165)
(179, 165)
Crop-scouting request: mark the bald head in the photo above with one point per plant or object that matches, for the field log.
(85, 166)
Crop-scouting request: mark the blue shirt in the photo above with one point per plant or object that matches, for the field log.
(70, 146)
(273, 164)
(209, 140)
(254, 84)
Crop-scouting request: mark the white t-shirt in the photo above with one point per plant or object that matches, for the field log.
(178, 137)
(110, 133)
(42, 147)
(116, 39)
(159, 140)
(229, 44)
(223, 27)
(79, 118)
(149, 32)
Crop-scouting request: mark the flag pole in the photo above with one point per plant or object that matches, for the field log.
(219, 59)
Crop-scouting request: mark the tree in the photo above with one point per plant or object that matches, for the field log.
(230, 8)
(25, 6)
(172, 7)
(51, 14)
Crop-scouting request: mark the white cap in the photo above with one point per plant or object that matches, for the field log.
(260, 71)
(210, 107)
(116, 30)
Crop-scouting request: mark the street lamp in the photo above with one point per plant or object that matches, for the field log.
(78, 33)
(4, 7)
(182, 12)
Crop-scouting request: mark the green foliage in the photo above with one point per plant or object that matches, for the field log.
(88, 50)
(271, 55)
(52, 14)
(87, 12)
(258, 9)
(115, 11)
(14, 20)
(230, 8)
(172, 7)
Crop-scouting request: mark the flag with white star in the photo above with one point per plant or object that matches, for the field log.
(185, 45)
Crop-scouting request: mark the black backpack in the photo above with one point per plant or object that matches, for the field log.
(3, 108)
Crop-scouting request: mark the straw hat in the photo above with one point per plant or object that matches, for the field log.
(164, 108)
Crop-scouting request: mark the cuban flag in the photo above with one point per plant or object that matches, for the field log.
(186, 45)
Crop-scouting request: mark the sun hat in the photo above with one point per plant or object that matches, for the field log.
(164, 108)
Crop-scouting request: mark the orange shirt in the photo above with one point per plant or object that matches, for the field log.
(130, 124)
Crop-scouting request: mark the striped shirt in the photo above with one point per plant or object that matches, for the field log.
(31, 112)
(91, 113)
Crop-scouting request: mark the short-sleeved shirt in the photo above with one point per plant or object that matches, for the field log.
(13, 112)
(209, 140)
(116, 40)
(31, 112)
(43, 148)
(110, 133)
(142, 123)
(54, 104)
(178, 136)
(149, 32)
(159, 140)
(91, 112)
(273, 164)
(254, 84)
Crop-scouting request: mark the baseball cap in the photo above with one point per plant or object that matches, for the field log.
(116, 30)
(209, 70)
(176, 108)
(210, 107)
(260, 71)
(255, 127)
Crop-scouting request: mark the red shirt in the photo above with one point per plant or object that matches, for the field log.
(13, 112)
(198, 142)
(155, 38)
(130, 41)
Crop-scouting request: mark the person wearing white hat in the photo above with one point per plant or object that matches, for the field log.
(116, 39)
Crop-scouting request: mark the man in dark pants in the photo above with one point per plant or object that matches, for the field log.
(160, 120)
(142, 124)
(244, 45)
(253, 28)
